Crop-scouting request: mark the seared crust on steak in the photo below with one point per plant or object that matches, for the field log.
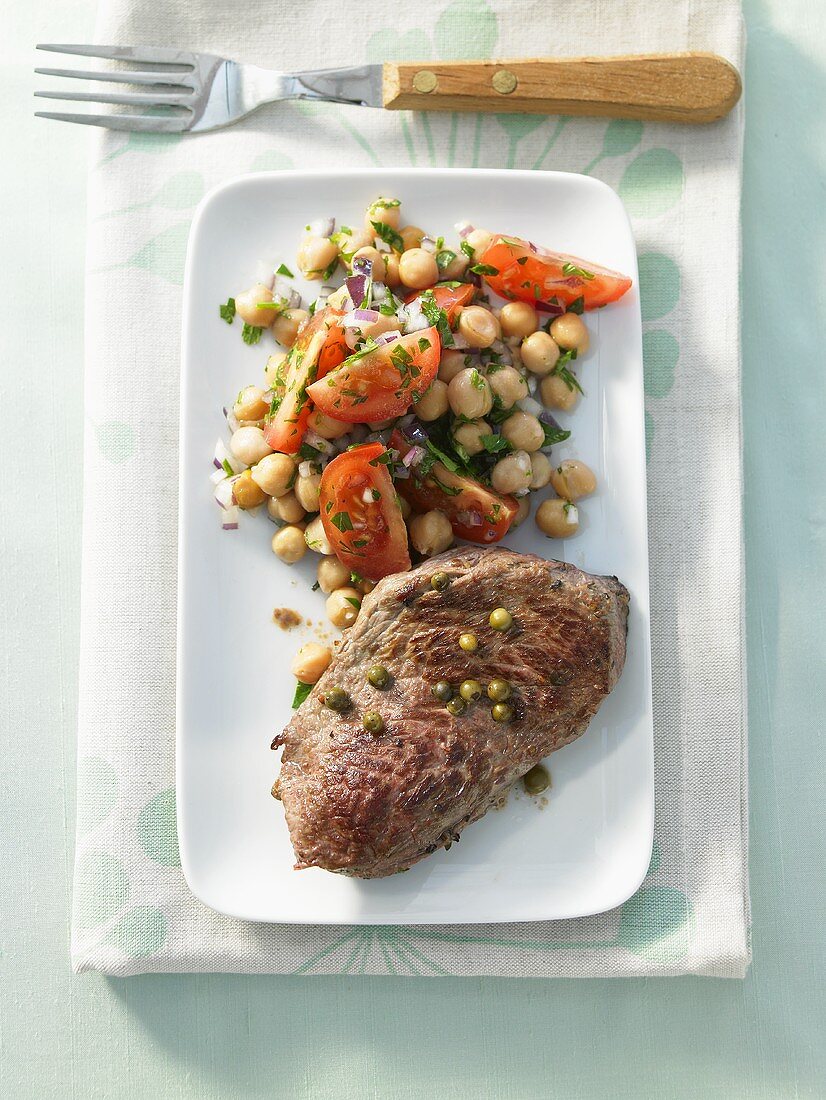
(369, 805)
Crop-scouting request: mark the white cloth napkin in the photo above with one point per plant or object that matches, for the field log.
(132, 909)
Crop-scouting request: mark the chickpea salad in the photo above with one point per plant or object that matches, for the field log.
(411, 404)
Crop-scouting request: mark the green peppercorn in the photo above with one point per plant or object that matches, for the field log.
(336, 699)
(500, 619)
(470, 690)
(443, 691)
(499, 691)
(373, 722)
(501, 712)
(439, 581)
(379, 677)
(536, 780)
(468, 643)
(456, 706)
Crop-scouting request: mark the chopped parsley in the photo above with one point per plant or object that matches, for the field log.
(282, 269)
(561, 370)
(554, 435)
(352, 600)
(228, 470)
(444, 258)
(302, 690)
(309, 453)
(384, 459)
(468, 249)
(476, 380)
(522, 260)
(577, 306)
(315, 587)
(423, 344)
(484, 269)
(342, 521)
(330, 270)
(437, 317)
(356, 578)
(495, 444)
(227, 311)
(389, 235)
(251, 334)
(571, 269)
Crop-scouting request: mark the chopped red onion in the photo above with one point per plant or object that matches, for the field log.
(548, 418)
(323, 227)
(414, 456)
(416, 323)
(363, 265)
(223, 492)
(217, 475)
(416, 433)
(285, 291)
(317, 441)
(407, 420)
(464, 229)
(306, 469)
(358, 317)
(265, 273)
(428, 244)
(554, 307)
(357, 287)
(401, 473)
(381, 246)
(530, 405)
(224, 454)
(498, 347)
(471, 518)
(232, 422)
(379, 291)
(571, 514)
(387, 338)
(459, 342)
(229, 519)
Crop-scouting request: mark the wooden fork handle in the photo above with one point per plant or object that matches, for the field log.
(680, 87)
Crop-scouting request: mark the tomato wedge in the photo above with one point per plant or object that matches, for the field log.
(361, 515)
(475, 512)
(527, 274)
(380, 383)
(449, 298)
(319, 348)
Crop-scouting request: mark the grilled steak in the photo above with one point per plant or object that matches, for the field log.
(372, 804)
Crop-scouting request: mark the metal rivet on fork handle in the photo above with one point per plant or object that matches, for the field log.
(425, 81)
(504, 82)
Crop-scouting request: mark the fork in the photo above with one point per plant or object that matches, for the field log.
(215, 91)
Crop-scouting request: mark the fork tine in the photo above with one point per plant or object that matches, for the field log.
(126, 99)
(162, 55)
(120, 76)
(141, 123)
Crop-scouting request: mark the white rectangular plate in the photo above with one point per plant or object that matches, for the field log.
(586, 847)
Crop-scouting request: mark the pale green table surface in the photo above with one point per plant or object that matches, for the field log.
(217, 1036)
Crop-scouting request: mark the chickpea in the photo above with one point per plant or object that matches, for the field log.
(366, 587)
(286, 325)
(392, 274)
(351, 242)
(478, 326)
(469, 435)
(418, 268)
(523, 511)
(246, 493)
(332, 574)
(412, 237)
(431, 533)
(469, 394)
(343, 607)
(326, 427)
(246, 306)
(285, 508)
(248, 444)
(557, 518)
(375, 257)
(405, 508)
(311, 662)
(377, 212)
(275, 371)
(512, 473)
(523, 431)
(570, 332)
(557, 394)
(508, 385)
(306, 490)
(456, 268)
(316, 538)
(289, 545)
(275, 474)
(541, 470)
(451, 363)
(539, 352)
(314, 256)
(518, 319)
(479, 239)
(250, 404)
(572, 479)
(433, 403)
